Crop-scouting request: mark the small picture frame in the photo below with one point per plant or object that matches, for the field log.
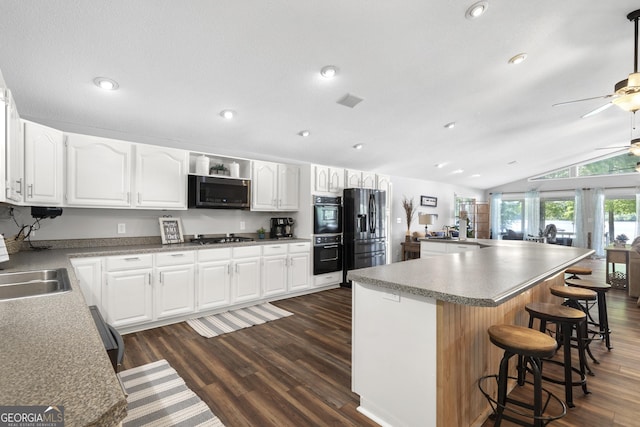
(171, 230)
(429, 201)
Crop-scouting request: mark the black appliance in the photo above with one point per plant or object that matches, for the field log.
(111, 339)
(281, 228)
(226, 239)
(327, 215)
(364, 229)
(327, 254)
(219, 193)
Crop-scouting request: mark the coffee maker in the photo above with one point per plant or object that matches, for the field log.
(281, 228)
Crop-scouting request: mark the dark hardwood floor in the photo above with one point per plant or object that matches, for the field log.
(296, 371)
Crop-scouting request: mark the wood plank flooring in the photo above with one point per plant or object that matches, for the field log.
(296, 371)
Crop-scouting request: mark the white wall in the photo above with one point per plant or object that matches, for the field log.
(415, 188)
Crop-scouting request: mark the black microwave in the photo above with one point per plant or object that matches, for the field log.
(219, 193)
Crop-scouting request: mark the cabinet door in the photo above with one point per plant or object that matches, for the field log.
(288, 187)
(98, 171)
(214, 280)
(336, 180)
(14, 151)
(246, 279)
(299, 268)
(353, 179)
(264, 186)
(383, 182)
(175, 291)
(368, 180)
(322, 178)
(43, 173)
(274, 275)
(161, 177)
(127, 297)
(89, 274)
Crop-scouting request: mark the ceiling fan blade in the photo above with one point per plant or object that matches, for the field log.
(597, 110)
(612, 148)
(581, 100)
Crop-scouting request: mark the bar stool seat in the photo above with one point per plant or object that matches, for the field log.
(567, 319)
(576, 269)
(601, 290)
(573, 297)
(529, 345)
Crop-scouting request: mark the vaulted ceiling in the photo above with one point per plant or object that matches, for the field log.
(417, 65)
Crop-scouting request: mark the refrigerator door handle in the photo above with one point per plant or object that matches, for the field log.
(373, 214)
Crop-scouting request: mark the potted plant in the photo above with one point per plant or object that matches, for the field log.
(217, 169)
(621, 240)
(261, 232)
(410, 211)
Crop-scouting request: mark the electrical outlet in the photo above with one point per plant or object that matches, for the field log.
(122, 228)
(399, 220)
(242, 225)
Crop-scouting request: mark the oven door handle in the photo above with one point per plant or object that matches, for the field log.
(328, 247)
(329, 259)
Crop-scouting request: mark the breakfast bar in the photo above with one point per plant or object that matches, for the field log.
(420, 327)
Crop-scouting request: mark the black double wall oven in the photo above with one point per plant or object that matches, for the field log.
(327, 230)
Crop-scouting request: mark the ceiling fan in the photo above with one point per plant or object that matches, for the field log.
(626, 92)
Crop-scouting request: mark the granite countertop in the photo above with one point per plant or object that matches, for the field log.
(51, 351)
(486, 277)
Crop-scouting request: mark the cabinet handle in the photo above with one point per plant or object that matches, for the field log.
(30, 190)
(132, 259)
(229, 269)
(276, 247)
(139, 197)
(178, 254)
(149, 278)
(19, 190)
(128, 197)
(236, 268)
(161, 278)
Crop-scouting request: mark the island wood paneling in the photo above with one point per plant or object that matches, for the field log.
(465, 353)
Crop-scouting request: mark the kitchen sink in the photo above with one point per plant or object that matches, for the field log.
(23, 284)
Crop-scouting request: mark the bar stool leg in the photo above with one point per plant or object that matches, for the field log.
(603, 319)
(581, 329)
(536, 368)
(502, 386)
(566, 341)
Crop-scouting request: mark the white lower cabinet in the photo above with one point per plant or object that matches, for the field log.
(299, 262)
(175, 284)
(89, 274)
(127, 297)
(213, 278)
(274, 269)
(429, 249)
(245, 282)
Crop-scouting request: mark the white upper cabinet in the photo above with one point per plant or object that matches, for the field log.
(353, 178)
(275, 187)
(383, 182)
(161, 177)
(328, 179)
(98, 171)
(43, 165)
(14, 152)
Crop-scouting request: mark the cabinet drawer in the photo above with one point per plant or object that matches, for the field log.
(280, 249)
(219, 254)
(299, 247)
(617, 257)
(175, 258)
(328, 279)
(129, 262)
(455, 247)
(246, 251)
(433, 247)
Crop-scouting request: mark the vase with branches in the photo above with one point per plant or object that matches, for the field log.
(410, 211)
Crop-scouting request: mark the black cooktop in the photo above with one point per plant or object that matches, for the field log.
(214, 240)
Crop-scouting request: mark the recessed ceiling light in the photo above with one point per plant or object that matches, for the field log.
(304, 133)
(518, 59)
(450, 125)
(227, 114)
(439, 165)
(512, 162)
(358, 146)
(475, 175)
(476, 10)
(106, 83)
(329, 71)
(458, 171)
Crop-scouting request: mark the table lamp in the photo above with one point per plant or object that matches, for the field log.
(426, 220)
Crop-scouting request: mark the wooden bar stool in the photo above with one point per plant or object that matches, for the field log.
(601, 290)
(567, 319)
(531, 346)
(572, 298)
(575, 270)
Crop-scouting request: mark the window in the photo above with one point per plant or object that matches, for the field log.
(561, 213)
(511, 217)
(619, 218)
(615, 164)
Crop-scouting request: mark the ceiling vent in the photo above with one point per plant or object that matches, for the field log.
(350, 100)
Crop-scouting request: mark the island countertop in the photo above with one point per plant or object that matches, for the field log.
(487, 277)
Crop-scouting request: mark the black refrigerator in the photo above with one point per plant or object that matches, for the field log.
(364, 230)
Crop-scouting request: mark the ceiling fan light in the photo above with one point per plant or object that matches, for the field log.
(635, 147)
(629, 102)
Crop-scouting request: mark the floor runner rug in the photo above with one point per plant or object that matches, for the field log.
(223, 323)
(158, 397)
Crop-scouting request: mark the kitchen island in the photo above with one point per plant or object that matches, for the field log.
(420, 327)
